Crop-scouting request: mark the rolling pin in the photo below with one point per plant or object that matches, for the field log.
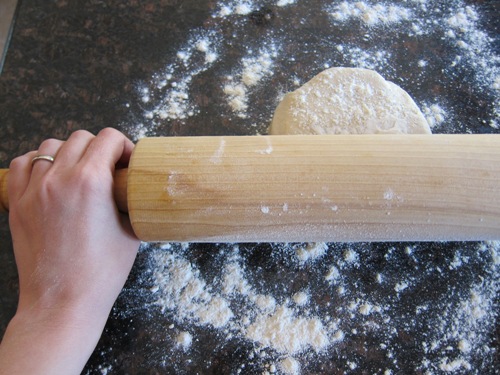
(311, 188)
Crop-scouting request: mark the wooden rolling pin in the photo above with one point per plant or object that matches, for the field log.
(312, 188)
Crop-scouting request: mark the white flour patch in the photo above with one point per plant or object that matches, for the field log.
(244, 8)
(265, 209)
(301, 298)
(287, 333)
(311, 251)
(333, 274)
(290, 366)
(256, 67)
(371, 15)
(350, 256)
(434, 114)
(184, 340)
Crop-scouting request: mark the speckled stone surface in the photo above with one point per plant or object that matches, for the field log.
(75, 65)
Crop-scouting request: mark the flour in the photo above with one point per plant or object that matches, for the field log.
(455, 365)
(311, 251)
(373, 59)
(184, 340)
(287, 333)
(333, 274)
(465, 33)
(401, 286)
(301, 298)
(290, 366)
(169, 97)
(320, 308)
(286, 328)
(254, 70)
(179, 287)
(350, 256)
(243, 8)
(371, 15)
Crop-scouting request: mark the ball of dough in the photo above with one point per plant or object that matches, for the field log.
(348, 101)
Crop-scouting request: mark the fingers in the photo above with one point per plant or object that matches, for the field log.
(73, 149)
(49, 147)
(19, 175)
(109, 148)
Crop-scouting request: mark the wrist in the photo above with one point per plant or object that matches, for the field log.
(49, 341)
(57, 317)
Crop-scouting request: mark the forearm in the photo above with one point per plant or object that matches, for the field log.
(48, 342)
(73, 251)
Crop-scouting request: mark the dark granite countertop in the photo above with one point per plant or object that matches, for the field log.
(83, 65)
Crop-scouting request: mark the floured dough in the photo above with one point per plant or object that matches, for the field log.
(348, 101)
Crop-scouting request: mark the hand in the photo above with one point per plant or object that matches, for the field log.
(73, 249)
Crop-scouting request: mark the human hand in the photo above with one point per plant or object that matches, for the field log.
(73, 249)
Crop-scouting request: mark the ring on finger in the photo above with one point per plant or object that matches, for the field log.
(48, 158)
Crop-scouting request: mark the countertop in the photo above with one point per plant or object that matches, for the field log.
(91, 64)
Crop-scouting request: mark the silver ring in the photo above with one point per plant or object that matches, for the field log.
(42, 157)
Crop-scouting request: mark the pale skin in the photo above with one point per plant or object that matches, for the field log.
(73, 251)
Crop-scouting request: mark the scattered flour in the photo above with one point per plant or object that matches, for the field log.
(317, 305)
(264, 209)
(180, 288)
(401, 286)
(301, 298)
(170, 89)
(184, 340)
(333, 274)
(255, 68)
(464, 346)
(456, 25)
(456, 331)
(474, 50)
(365, 309)
(311, 251)
(434, 114)
(183, 289)
(244, 8)
(288, 334)
(371, 15)
(350, 256)
(282, 3)
(374, 59)
(290, 366)
(455, 365)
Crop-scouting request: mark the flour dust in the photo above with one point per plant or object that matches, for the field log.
(429, 308)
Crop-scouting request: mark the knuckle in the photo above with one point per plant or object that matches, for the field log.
(109, 133)
(49, 144)
(81, 134)
(17, 163)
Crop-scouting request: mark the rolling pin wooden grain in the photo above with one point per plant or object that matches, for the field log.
(312, 188)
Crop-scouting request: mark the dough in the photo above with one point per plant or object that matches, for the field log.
(348, 101)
